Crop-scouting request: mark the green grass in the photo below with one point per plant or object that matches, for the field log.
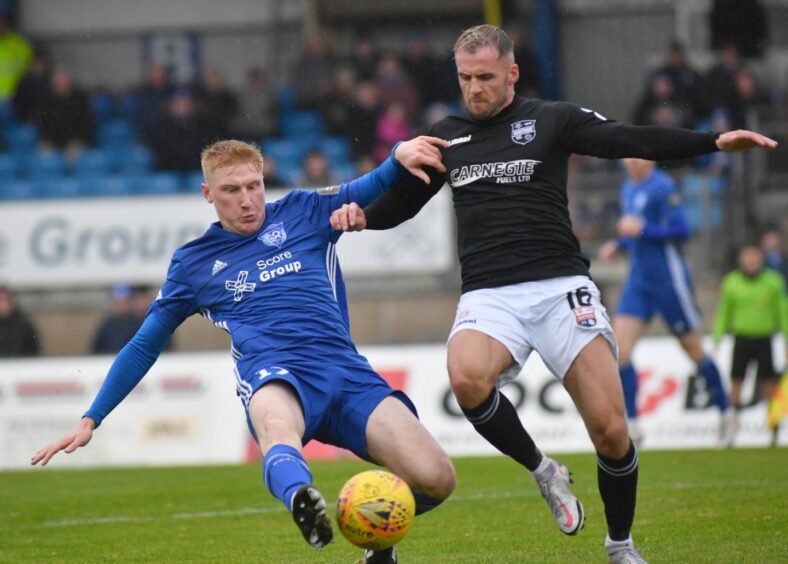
(702, 506)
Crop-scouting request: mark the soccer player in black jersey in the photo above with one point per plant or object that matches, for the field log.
(525, 283)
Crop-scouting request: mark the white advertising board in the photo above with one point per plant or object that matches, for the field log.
(186, 412)
(102, 241)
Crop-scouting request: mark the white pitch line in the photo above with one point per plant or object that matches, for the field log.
(528, 492)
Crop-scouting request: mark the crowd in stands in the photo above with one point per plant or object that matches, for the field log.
(337, 116)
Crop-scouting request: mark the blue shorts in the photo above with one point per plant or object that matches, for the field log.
(337, 397)
(675, 304)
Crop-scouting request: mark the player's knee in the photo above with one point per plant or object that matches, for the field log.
(441, 479)
(611, 437)
(470, 386)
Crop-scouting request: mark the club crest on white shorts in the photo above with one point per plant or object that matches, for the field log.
(585, 316)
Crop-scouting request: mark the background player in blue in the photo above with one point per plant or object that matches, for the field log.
(652, 228)
(268, 275)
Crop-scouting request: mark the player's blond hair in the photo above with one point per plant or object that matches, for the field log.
(230, 152)
(480, 36)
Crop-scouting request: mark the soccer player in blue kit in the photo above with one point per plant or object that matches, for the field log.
(652, 228)
(268, 275)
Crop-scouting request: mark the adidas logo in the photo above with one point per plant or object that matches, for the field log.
(218, 266)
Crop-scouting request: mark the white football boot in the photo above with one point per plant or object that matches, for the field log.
(553, 480)
(622, 552)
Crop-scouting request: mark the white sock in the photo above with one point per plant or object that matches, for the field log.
(543, 465)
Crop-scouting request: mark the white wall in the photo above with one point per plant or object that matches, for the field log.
(186, 412)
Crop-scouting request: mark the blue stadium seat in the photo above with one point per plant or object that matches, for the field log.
(193, 181)
(286, 152)
(159, 183)
(6, 112)
(21, 138)
(114, 185)
(116, 133)
(103, 106)
(335, 148)
(303, 124)
(136, 159)
(63, 187)
(286, 99)
(19, 190)
(9, 166)
(290, 173)
(46, 165)
(92, 163)
(128, 107)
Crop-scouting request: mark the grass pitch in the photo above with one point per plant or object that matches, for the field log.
(701, 506)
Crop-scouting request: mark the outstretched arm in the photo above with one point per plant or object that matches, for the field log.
(743, 140)
(587, 133)
(411, 156)
(131, 364)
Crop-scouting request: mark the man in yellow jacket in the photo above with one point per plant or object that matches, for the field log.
(16, 54)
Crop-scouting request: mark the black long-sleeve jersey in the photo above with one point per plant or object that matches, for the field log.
(508, 178)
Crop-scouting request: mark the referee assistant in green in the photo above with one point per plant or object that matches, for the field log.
(753, 307)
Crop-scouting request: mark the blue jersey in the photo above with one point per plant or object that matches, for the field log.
(658, 280)
(278, 292)
(656, 256)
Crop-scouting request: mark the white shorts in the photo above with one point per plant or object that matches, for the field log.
(555, 317)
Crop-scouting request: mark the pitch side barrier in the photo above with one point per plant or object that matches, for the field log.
(185, 411)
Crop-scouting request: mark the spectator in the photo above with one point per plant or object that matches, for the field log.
(421, 67)
(270, 176)
(393, 126)
(178, 137)
(365, 164)
(361, 129)
(32, 89)
(18, 336)
(16, 54)
(129, 307)
(394, 85)
(65, 119)
(752, 96)
(528, 83)
(215, 104)
(312, 75)
(339, 109)
(316, 172)
(774, 252)
(661, 105)
(719, 85)
(257, 112)
(150, 100)
(686, 82)
(364, 59)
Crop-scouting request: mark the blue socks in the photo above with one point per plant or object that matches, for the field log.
(284, 471)
(629, 381)
(708, 370)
